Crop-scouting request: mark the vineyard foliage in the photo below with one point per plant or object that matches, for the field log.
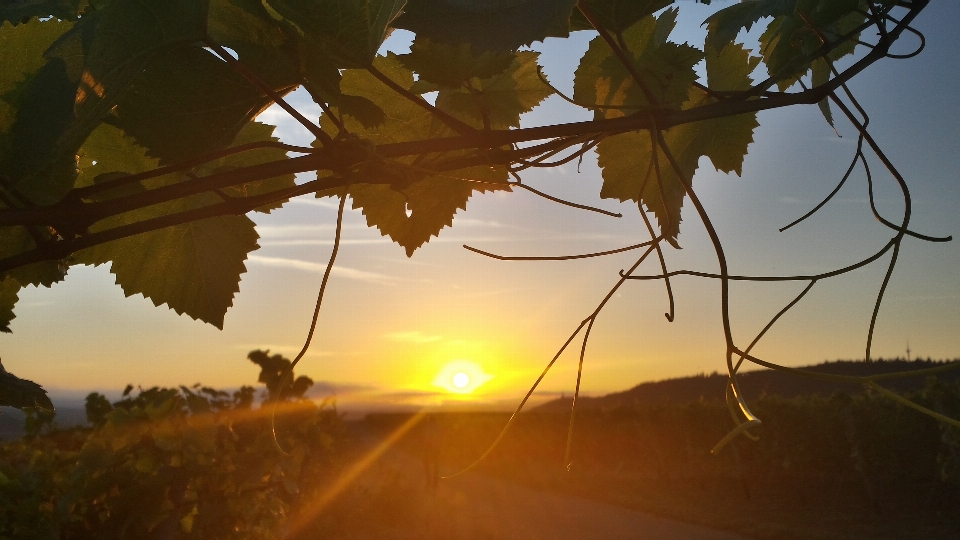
(171, 463)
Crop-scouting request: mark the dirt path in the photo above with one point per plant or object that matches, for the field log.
(401, 505)
(477, 507)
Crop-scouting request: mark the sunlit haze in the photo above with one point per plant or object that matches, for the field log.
(450, 327)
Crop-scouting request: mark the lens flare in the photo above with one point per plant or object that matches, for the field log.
(461, 380)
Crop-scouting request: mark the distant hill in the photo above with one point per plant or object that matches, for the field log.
(757, 383)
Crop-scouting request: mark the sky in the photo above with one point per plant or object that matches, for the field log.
(397, 330)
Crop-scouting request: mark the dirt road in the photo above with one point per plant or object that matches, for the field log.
(392, 499)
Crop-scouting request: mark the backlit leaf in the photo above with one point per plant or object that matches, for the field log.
(501, 98)
(630, 166)
(194, 268)
(251, 133)
(186, 103)
(430, 200)
(666, 70)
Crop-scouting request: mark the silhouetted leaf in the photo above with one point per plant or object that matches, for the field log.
(451, 66)
(487, 25)
(349, 31)
(615, 15)
(9, 287)
(21, 393)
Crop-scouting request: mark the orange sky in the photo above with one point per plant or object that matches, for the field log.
(391, 326)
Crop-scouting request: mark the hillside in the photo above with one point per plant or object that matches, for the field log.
(757, 383)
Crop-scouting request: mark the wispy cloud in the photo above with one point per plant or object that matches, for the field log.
(414, 336)
(307, 266)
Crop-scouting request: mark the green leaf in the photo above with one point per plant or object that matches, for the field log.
(497, 102)
(21, 393)
(628, 162)
(486, 25)
(724, 25)
(821, 75)
(187, 103)
(9, 288)
(431, 204)
(666, 69)
(792, 38)
(251, 133)
(349, 31)
(109, 150)
(267, 47)
(615, 15)
(386, 190)
(452, 66)
(88, 69)
(194, 268)
(29, 40)
(35, 98)
(16, 240)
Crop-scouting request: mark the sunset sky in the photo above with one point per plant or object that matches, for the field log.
(399, 330)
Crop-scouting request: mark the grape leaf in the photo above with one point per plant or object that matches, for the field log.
(251, 133)
(629, 166)
(21, 393)
(820, 74)
(724, 25)
(666, 68)
(15, 240)
(194, 268)
(187, 103)
(497, 102)
(30, 40)
(431, 200)
(9, 288)
(349, 31)
(452, 66)
(791, 38)
(108, 150)
(88, 69)
(35, 101)
(615, 15)
(502, 25)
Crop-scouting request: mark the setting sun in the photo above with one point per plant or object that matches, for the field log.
(461, 377)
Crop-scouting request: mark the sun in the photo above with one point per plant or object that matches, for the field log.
(461, 377)
(461, 380)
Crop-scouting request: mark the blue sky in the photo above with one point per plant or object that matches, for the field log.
(391, 324)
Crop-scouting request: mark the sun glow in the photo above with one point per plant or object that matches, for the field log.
(461, 377)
